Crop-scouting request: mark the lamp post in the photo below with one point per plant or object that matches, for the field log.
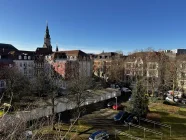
(116, 104)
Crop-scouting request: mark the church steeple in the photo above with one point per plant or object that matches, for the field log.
(47, 43)
(47, 34)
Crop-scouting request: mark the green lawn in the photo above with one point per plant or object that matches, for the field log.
(1, 113)
(62, 129)
(168, 114)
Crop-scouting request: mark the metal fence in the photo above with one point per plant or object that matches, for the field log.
(146, 130)
(127, 135)
(156, 123)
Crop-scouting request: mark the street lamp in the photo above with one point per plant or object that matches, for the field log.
(116, 103)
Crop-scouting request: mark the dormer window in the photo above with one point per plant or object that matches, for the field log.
(19, 56)
(2, 84)
(29, 57)
(25, 57)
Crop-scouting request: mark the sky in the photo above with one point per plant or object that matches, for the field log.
(94, 25)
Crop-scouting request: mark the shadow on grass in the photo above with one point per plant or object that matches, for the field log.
(173, 120)
(85, 132)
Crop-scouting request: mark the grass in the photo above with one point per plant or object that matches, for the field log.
(1, 113)
(168, 114)
(62, 129)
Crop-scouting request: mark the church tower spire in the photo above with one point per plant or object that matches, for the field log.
(47, 43)
(47, 34)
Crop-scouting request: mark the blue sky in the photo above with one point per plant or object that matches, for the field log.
(94, 25)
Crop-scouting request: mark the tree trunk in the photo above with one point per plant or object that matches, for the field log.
(53, 114)
(173, 90)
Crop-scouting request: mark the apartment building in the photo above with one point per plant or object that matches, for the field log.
(181, 71)
(24, 62)
(103, 62)
(70, 63)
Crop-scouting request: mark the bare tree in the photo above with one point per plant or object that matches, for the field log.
(78, 84)
(116, 70)
(17, 85)
(48, 84)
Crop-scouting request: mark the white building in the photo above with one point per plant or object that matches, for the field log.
(24, 61)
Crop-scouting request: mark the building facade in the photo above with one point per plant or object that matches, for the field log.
(102, 63)
(24, 62)
(70, 63)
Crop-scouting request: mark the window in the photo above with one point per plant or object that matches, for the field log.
(182, 83)
(29, 57)
(29, 71)
(183, 65)
(25, 57)
(20, 64)
(128, 72)
(128, 65)
(25, 72)
(152, 66)
(0, 56)
(19, 56)
(2, 84)
(140, 65)
(25, 64)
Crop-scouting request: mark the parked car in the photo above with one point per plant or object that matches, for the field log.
(170, 99)
(176, 93)
(117, 106)
(131, 119)
(110, 104)
(121, 116)
(99, 135)
(124, 89)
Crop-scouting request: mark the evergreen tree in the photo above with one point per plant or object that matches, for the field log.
(139, 100)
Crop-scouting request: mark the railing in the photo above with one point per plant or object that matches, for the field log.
(146, 130)
(126, 134)
(156, 123)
